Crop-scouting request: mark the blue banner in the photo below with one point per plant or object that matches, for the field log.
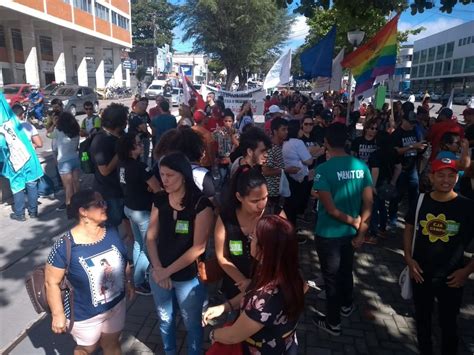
(317, 60)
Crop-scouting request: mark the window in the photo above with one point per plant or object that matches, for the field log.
(447, 68)
(416, 57)
(468, 40)
(120, 21)
(423, 54)
(429, 70)
(414, 72)
(469, 65)
(16, 39)
(464, 41)
(2, 37)
(449, 49)
(431, 54)
(440, 52)
(437, 68)
(421, 71)
(101, 12)
(460, 42)
(84, 5)
(46, 48)
(457, 66)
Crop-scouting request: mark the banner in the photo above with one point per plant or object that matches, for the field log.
(317, 60)
(322, 84)
(279, 73)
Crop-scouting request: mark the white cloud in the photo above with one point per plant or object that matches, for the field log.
(299, 29)
(432, 27)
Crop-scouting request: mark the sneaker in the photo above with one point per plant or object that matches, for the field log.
(18, 218)
(61, 207)
(322, 324)
(347, 311)
(143, 289)
(33, 215)
(301, 239)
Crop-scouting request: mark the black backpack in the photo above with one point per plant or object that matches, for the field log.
(87, 166)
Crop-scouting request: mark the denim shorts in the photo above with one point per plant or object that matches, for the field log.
(68, 166)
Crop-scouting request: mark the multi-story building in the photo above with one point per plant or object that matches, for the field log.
(193, 65)
(403, 67)
(445, 60)
(71, 41)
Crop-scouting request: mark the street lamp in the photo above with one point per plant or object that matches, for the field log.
(355, 38)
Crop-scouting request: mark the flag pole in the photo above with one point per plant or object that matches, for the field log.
(392, 114)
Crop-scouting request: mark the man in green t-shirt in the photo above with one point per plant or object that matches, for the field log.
(343, 186)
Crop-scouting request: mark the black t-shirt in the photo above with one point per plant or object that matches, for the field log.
(402, 138)
(135, 120)
(102, 151)
(445, 231)
(266, 306)
(317, 135)
(176, 236)
(310, 142)
(363, 148)
(385, 161)
(133, 176)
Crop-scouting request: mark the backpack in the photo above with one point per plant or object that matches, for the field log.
(35, 286)
(87, 166)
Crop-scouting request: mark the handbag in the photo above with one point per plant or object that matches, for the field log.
(209, 270)
(35, 286)
(404, 280)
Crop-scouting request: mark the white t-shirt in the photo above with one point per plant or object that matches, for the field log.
(65, 147)
(411, 98)
(30, 130)
(295, 153)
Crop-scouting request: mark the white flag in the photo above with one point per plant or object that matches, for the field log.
(279, 74)
(186, 89)
(450, 101)
(335, 81)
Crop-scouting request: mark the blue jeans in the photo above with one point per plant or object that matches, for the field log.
(407, 183)
(224, 172)
(115, 211)
(378, 220)
(139, 221)
(190, 296)
(19, 199)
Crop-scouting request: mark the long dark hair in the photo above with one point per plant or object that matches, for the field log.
(244, 179)
(67, 124)
(177, 161)
(125, 145)
(279, 263)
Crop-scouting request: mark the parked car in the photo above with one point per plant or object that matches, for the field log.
(462, 98)
(435, 97)
(48, 89)
(177, 96)
(16, 93)
(74, 97)
(419, 96)
(153, 91)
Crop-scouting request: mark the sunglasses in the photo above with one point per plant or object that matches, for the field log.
(97, 204)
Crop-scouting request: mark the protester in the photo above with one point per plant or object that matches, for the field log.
(273, 112)
(273, 301)
(163, 122)
(253, 147)
(36, 99)
(105, 160)
(210, 102)
(186, 116)
(91, 123)
(98, 274)
(444, 123)
(138, 185)
(444, 230)
(362, 147)
(138, 123)
(244, 117)
(30, 130)
(180, 224)
(156, 110)
(226, 139)
(344, 188)
(65, 137)
(208, 159)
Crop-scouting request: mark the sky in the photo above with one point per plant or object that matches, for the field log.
(433, 20)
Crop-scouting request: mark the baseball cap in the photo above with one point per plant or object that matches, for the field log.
(199, 116)
(274, 109)
(444, 163)
(468, 112)
(446, 112)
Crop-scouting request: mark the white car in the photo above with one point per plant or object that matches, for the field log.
(462, 98)
(177, 97)
(153, 91)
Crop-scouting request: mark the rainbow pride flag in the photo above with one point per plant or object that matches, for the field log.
(376, 57)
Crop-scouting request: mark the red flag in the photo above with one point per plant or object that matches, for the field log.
(187, 83)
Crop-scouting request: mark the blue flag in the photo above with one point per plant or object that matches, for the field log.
(18, 160)
(317, 60)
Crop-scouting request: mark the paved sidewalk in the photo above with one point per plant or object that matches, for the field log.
(383, 323)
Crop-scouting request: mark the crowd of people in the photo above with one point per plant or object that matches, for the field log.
(222, 188)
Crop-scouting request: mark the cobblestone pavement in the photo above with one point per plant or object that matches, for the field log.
(383, 323)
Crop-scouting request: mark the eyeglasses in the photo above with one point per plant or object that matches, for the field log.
(97, 204)
(308, 124)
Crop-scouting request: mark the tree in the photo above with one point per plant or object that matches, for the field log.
(308, 7)
(152, 26)
(239, 33)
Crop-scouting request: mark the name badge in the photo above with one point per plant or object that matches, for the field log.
(182, 227)
(236, 247)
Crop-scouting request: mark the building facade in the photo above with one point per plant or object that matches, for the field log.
(72, 41)
(403, 67)
(193, 65)
(444, 61)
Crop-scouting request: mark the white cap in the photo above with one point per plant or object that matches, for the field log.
(274, 109)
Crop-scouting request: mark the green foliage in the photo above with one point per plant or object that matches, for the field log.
(152, 23)
(240, 33)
